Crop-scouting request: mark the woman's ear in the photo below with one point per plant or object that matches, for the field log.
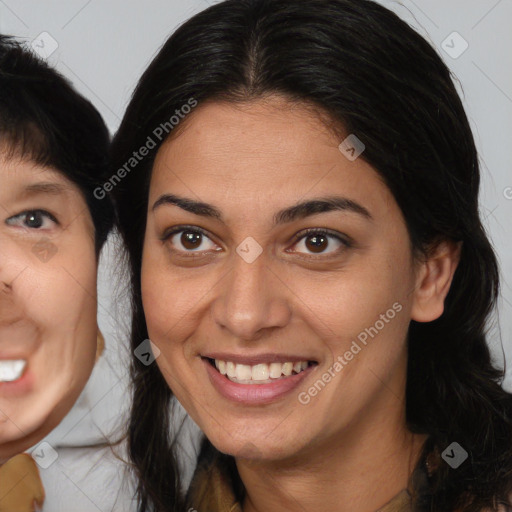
(433, 281)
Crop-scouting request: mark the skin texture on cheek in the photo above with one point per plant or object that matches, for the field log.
(61, 355)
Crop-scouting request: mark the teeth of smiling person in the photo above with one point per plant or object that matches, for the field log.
(231, 370)
(287, 369)
(243, 372)
(275, 370)
(262, 372)
(222, 367)
(11, 370)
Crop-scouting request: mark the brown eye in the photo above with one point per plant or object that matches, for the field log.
(190, 239)
(316, 243)
(320, 241)
(33, 219)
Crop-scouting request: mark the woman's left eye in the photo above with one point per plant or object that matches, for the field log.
(191, 240)
(319, 241)
(33, 219)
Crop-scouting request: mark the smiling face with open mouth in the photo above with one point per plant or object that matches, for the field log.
(278, 283)
(47, 301)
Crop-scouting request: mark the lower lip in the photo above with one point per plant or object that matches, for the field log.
(18, 387)
(251, 394)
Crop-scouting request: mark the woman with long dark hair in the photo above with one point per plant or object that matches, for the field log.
(297, 188)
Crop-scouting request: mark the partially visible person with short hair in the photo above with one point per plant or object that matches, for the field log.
(54, 151)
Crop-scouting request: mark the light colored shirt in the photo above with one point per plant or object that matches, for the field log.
(79, 471)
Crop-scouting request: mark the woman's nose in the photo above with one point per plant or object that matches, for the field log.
(251, 299)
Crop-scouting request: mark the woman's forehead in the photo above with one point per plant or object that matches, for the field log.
(261, 155)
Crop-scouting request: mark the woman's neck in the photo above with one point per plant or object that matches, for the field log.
(361, 470)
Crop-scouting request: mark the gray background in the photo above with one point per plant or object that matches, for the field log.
(104, 46)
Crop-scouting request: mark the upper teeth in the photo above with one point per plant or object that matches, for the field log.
(258, 372)
(11, 370)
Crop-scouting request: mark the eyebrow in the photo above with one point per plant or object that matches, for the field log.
(290, 214)
(44, 188)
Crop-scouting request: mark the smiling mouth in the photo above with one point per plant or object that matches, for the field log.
(263, 373)
(12, 370)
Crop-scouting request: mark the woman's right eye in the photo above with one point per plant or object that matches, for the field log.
(188, 240)
(33, 219)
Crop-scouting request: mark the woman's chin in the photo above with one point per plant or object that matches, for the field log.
(254, 449)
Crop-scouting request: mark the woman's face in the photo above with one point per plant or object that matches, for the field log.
(47, 301)
(271, 256)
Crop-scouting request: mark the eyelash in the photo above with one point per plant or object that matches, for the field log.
(297, 238)
(25, 213)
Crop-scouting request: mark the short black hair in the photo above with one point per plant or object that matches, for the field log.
(45, 120)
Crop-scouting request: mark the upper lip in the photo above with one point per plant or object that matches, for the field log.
(6, 356)
(256, 358)
(18, 339)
